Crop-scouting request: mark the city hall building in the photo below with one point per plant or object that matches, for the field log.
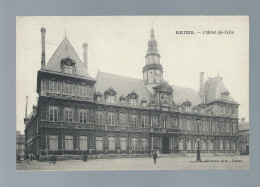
(117, 115)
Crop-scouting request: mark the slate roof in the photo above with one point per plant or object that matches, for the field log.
(182, 94)
(213, 88)
(122, 85)
(125, 85)
(66, 50)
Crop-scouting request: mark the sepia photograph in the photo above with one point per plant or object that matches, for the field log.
(100, 93)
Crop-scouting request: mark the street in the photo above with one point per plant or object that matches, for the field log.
(167, 162)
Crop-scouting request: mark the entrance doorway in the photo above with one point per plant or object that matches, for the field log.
(165, 145)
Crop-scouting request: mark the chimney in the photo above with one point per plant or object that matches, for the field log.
(202, 81)
(85, 55)
(43, 31)
(26, 106)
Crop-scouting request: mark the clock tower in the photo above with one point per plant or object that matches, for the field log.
(152, 71)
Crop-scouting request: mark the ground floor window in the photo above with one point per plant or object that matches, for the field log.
(134, 143)
(195, 144)
(144, 143)
(227, 145)
(112, 143)
(203, 144)
(233, 145)
(99, 143)
(68, 142)
(181, 144)
(221, 145)
(188, 146)
(210, 145)
(83, 143)
(53, 142)
(123, 144)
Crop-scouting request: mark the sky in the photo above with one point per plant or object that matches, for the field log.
(118, 45)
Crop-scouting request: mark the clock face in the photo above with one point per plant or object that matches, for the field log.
(157, 72)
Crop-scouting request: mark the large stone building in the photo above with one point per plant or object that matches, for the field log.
(20, 145)
(114, 114)
(243, 130)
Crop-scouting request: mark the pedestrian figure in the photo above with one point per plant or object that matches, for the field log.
(154, 157)
(31, 158)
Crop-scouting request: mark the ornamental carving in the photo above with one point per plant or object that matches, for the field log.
(110, 91)
(164, 87)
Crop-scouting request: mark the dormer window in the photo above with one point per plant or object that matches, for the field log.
(224, 95)
(122, 99)
(143, 103)
(98, 96)
(187, 108)
(110, 99)
(132, 98)
(203, 110)
(133, 102)
(187, 105)
(68, 66)
(110, 95)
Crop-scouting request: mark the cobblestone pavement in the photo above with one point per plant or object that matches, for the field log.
(165, 163)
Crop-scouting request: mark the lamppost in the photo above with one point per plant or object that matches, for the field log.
(198, 151)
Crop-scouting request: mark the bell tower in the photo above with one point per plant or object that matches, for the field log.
(152, 71)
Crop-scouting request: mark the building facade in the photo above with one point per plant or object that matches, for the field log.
(243, 130)
(20, 145)
(114, 114)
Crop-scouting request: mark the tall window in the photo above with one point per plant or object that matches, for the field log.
(227, 109)
(204, 125)
(53, 139)
(111, 118)
(227, 145)
(228, 128)
(144, 144)
(68, 114)
(197, 127)
(144, 120)
(175, 122)
(233, 110)
(203, 144)
(164, 122)
(134, 143)
(122, 119)
(112, 143)
(188, 144)
(99, 118)
(99, 143)
(83, 91)
(83, 143)
(83, 115)
(68, 69)
(111, 99)
(210, 126)
(53, 86)
(68, 88)
(203, 110)
(181, 144)
(210, 145)
(221, 145)
(53, 113)
(123, 144)
(68, 142)
(221, 109)
(188, 124)
(154, 120)
(133, 120)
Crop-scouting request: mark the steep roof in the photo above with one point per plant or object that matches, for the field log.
(122, 85)
(213, 88)
(65, 50)
(181, 94)
(125, 85)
